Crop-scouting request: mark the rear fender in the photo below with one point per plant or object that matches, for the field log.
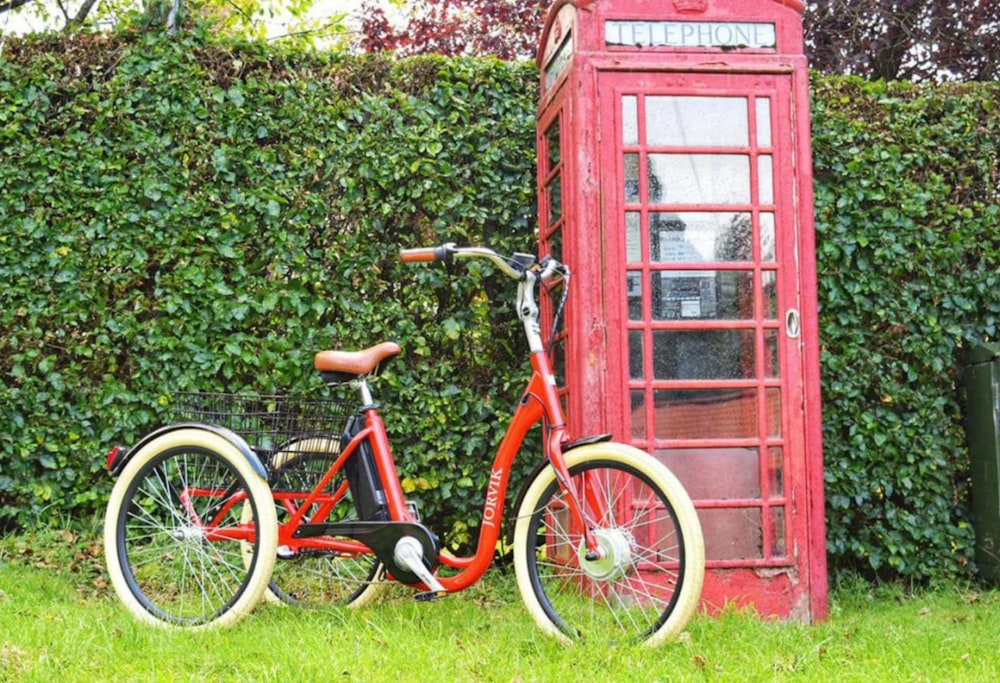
(119, 455)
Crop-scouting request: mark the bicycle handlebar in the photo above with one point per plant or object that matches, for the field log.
(425, 254)
(520, 267)
(514, 267)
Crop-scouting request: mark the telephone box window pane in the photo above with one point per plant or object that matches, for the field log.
(702, 295)
(559, 362)
(703, 354)
(771, 367)
(559, 61)
(734, 294)
(634, 283)
(732, 534)
(763, 106)
(778, 548)
(769, 284)
(632, 178)
(705, 413)
(766, 180)
(638, 414)
(715, 473)
(555, 245)
(630, 120)
(552, 142)
(633, 237)
(773, 400)
(681, 295)
(554, 191)
(698, 178)
(767, 237)
(700, 237)
(682, 121)
(775, 472)
(635, 346)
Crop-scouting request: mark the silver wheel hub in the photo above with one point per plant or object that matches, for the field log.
(187, 533)
(614, 555)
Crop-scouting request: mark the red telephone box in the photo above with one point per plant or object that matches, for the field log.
(674, 178)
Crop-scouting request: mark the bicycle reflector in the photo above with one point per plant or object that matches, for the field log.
(116, 458)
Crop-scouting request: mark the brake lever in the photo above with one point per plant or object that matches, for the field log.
(521, 262)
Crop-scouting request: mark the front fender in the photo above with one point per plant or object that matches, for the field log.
(119, 456)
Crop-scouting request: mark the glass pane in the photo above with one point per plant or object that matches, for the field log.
(778, 547)
(559, 60)
(684, 295)
(700, 236)
(697, 121)
(633, 237)
(715, 473)
(632, 178)
(705, 413)
(552, 143)
(763, 122)
(732, 534)
(638, 414)
(635, 346)
(775, 472)
(773, 400)
(702, 295)
(634, 284)
(630, 120)
(766, 180)
(769, 284)
(554, 243)
(559, 361)
(771, 367)
(703, 354)
(554, 190)
(767, 237)
(734, 295)
(698, 178)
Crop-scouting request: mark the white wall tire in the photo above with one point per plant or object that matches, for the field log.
(162, 566)
(571, 598)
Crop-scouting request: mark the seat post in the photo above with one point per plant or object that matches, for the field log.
(364, 391)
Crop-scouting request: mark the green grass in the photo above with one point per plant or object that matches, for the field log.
(59, 623)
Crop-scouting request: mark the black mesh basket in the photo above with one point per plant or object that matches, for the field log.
(288, 433)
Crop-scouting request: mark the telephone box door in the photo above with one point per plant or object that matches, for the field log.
(698, 181)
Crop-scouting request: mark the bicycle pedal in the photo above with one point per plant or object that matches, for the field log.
(430, 596)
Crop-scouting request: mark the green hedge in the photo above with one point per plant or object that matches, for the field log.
(907, 219)
(176, 215)
(181, 216)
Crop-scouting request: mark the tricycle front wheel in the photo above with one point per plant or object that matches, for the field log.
(643, 582)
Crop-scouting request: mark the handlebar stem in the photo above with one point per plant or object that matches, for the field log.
(527, 311)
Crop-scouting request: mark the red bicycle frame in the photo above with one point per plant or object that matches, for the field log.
(539, 403)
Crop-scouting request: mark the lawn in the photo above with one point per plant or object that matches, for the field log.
(59, 622)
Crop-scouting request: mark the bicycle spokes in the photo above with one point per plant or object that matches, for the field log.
(627, 585)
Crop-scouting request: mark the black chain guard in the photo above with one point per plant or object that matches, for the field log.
(381, 537)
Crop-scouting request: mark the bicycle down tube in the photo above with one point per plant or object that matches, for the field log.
(540, 401)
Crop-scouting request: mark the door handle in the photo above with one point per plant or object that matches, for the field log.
(792, 326)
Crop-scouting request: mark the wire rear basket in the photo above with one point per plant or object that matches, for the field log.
(282, 430)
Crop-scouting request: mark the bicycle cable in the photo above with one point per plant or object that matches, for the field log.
(559, 308)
